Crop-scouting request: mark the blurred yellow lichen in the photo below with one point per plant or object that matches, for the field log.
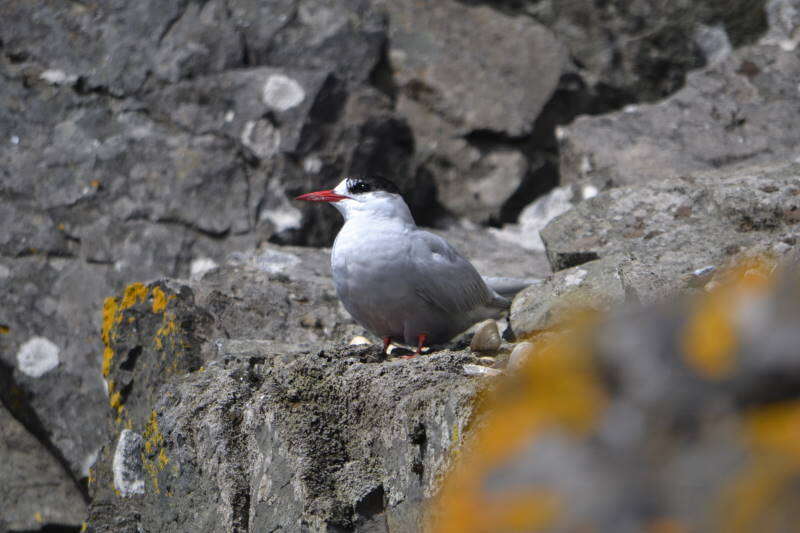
(709, 340)
(557, 388)
(772, 438)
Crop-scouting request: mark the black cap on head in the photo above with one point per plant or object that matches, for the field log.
(370, 184)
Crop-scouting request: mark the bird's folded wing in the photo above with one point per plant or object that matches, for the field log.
(443, 277)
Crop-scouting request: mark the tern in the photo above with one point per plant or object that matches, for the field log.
(398, 281)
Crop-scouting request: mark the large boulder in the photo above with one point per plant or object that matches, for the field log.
(453, 93)
(210, 432)
(648, 243)
(739, 109)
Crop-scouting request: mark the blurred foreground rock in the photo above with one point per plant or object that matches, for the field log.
(676, 417)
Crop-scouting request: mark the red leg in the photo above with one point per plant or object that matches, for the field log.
(421, 339)
(386, 342)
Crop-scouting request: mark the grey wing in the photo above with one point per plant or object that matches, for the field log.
(445, 279)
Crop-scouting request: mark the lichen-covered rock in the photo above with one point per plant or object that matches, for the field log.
(675, 416)
(256, 435)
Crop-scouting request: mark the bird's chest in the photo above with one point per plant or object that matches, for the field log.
(370, 266)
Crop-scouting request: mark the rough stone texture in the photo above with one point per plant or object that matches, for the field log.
(642, 49)
(451, 90)
(740, 109)
(254, 435)
(682, 416)
(36, 489)
(680, 225)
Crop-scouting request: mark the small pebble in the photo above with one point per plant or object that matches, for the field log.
(478, 370)
(521, 352)
(358, 339)
(487, 337)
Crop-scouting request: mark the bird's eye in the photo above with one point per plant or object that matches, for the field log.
(360, 186)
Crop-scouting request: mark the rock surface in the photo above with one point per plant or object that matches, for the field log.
(299, 438)
(737, 110)
(36, 489)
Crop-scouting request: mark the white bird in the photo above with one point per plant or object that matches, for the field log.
(400, 282)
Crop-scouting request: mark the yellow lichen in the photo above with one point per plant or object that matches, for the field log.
(84, 527)
(115, 400)
(167, 328)
(160, 300)
(162, 459)
(108, 356)
(4, 329)
(772, 436)
(709, 339)
(38, 517)
(134, 293)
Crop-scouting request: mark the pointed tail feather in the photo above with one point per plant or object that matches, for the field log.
(509, 287)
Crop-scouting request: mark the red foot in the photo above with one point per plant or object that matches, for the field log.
(421, 342)
(386, 342)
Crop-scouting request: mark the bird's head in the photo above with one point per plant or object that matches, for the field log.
(363, 197)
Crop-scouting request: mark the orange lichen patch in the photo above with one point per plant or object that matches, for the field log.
(772, 436)
(167, 328)
(709, 339)
(557, 388)
(134, 293)
(775, 429)
(666, 525)
(110, 306)
(38, 517)
(115, 400)
(94, 183)
(4, 329)
(160, 300)
(162, 460)
(154, 440)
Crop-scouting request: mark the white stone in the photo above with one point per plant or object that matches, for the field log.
(229, 116)
(359, 340)
(37, 357)
(534, 218)
(479, 370)
(200, 266)
(57, 77)
(15, 139)
(275, 262)
(312, 164)
(282, 92)
(127, 464)
(589, 191)
(575, 278)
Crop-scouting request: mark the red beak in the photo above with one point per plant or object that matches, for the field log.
(322, 196)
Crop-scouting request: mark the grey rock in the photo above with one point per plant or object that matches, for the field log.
(501, 88)
(680, 225)
(641, 50)
(535, 217)
(36, 490)
(486, 337)
(448, 89)
(738, 110)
